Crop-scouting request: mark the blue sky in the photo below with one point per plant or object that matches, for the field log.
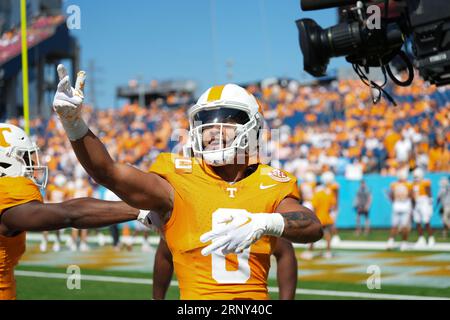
(176, 39)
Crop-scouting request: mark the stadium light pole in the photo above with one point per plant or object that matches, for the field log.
(23, 26)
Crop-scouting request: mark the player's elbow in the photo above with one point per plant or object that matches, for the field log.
(316, 232)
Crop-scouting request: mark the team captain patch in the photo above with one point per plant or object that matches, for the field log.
(183, 165)
(279, 175)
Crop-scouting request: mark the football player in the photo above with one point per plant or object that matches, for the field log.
(423, 207)
(401, 197)
(323, 202)
(329, 182)
(21, 207)
(234, 205)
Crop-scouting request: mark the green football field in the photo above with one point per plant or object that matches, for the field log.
(107, 274)
(104, 286)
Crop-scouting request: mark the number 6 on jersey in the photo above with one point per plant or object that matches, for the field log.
(219, 261)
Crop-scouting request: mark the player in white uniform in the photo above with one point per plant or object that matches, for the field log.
(401, 197)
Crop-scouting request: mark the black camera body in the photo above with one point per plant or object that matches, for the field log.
(368, 42)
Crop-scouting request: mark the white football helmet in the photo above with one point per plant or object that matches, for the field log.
(224, 112)
(418, 174)
(327, 177)
(19, 157)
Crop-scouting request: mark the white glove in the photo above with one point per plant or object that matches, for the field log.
(234, 230)
(68, 103)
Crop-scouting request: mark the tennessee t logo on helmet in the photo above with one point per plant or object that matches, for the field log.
(3, 142)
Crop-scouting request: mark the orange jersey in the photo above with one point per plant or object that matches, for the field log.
(13, 192)
(420, 188)
(199, 192)
(126, 232)
(401, 190)
(323, 202)
(307, 190)
(334, 187)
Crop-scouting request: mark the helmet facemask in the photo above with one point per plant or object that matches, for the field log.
(23, 162)
(221, 133)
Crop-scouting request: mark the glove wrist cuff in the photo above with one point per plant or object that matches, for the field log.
(143, 216)
(273, 224)
(75, 129)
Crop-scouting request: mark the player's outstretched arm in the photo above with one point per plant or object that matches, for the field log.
(138, 189)
(79, 213)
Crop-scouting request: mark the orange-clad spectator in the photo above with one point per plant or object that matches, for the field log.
(390, 140)
(323, 203)
(311, 118)
(439, 159)
(391, 167)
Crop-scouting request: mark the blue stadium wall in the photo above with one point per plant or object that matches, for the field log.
(380, 211)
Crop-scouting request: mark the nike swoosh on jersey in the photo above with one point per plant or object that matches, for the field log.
(262, 187)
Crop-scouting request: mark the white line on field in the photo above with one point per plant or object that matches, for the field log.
(349, 294)
(352, 294)
(56, 275)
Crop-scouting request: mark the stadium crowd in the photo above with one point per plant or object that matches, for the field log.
(330, 127)
(338, 126)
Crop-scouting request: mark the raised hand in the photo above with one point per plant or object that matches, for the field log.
(68, 103)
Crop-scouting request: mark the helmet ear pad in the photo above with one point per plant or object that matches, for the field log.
(11, 164)
(3, 167)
